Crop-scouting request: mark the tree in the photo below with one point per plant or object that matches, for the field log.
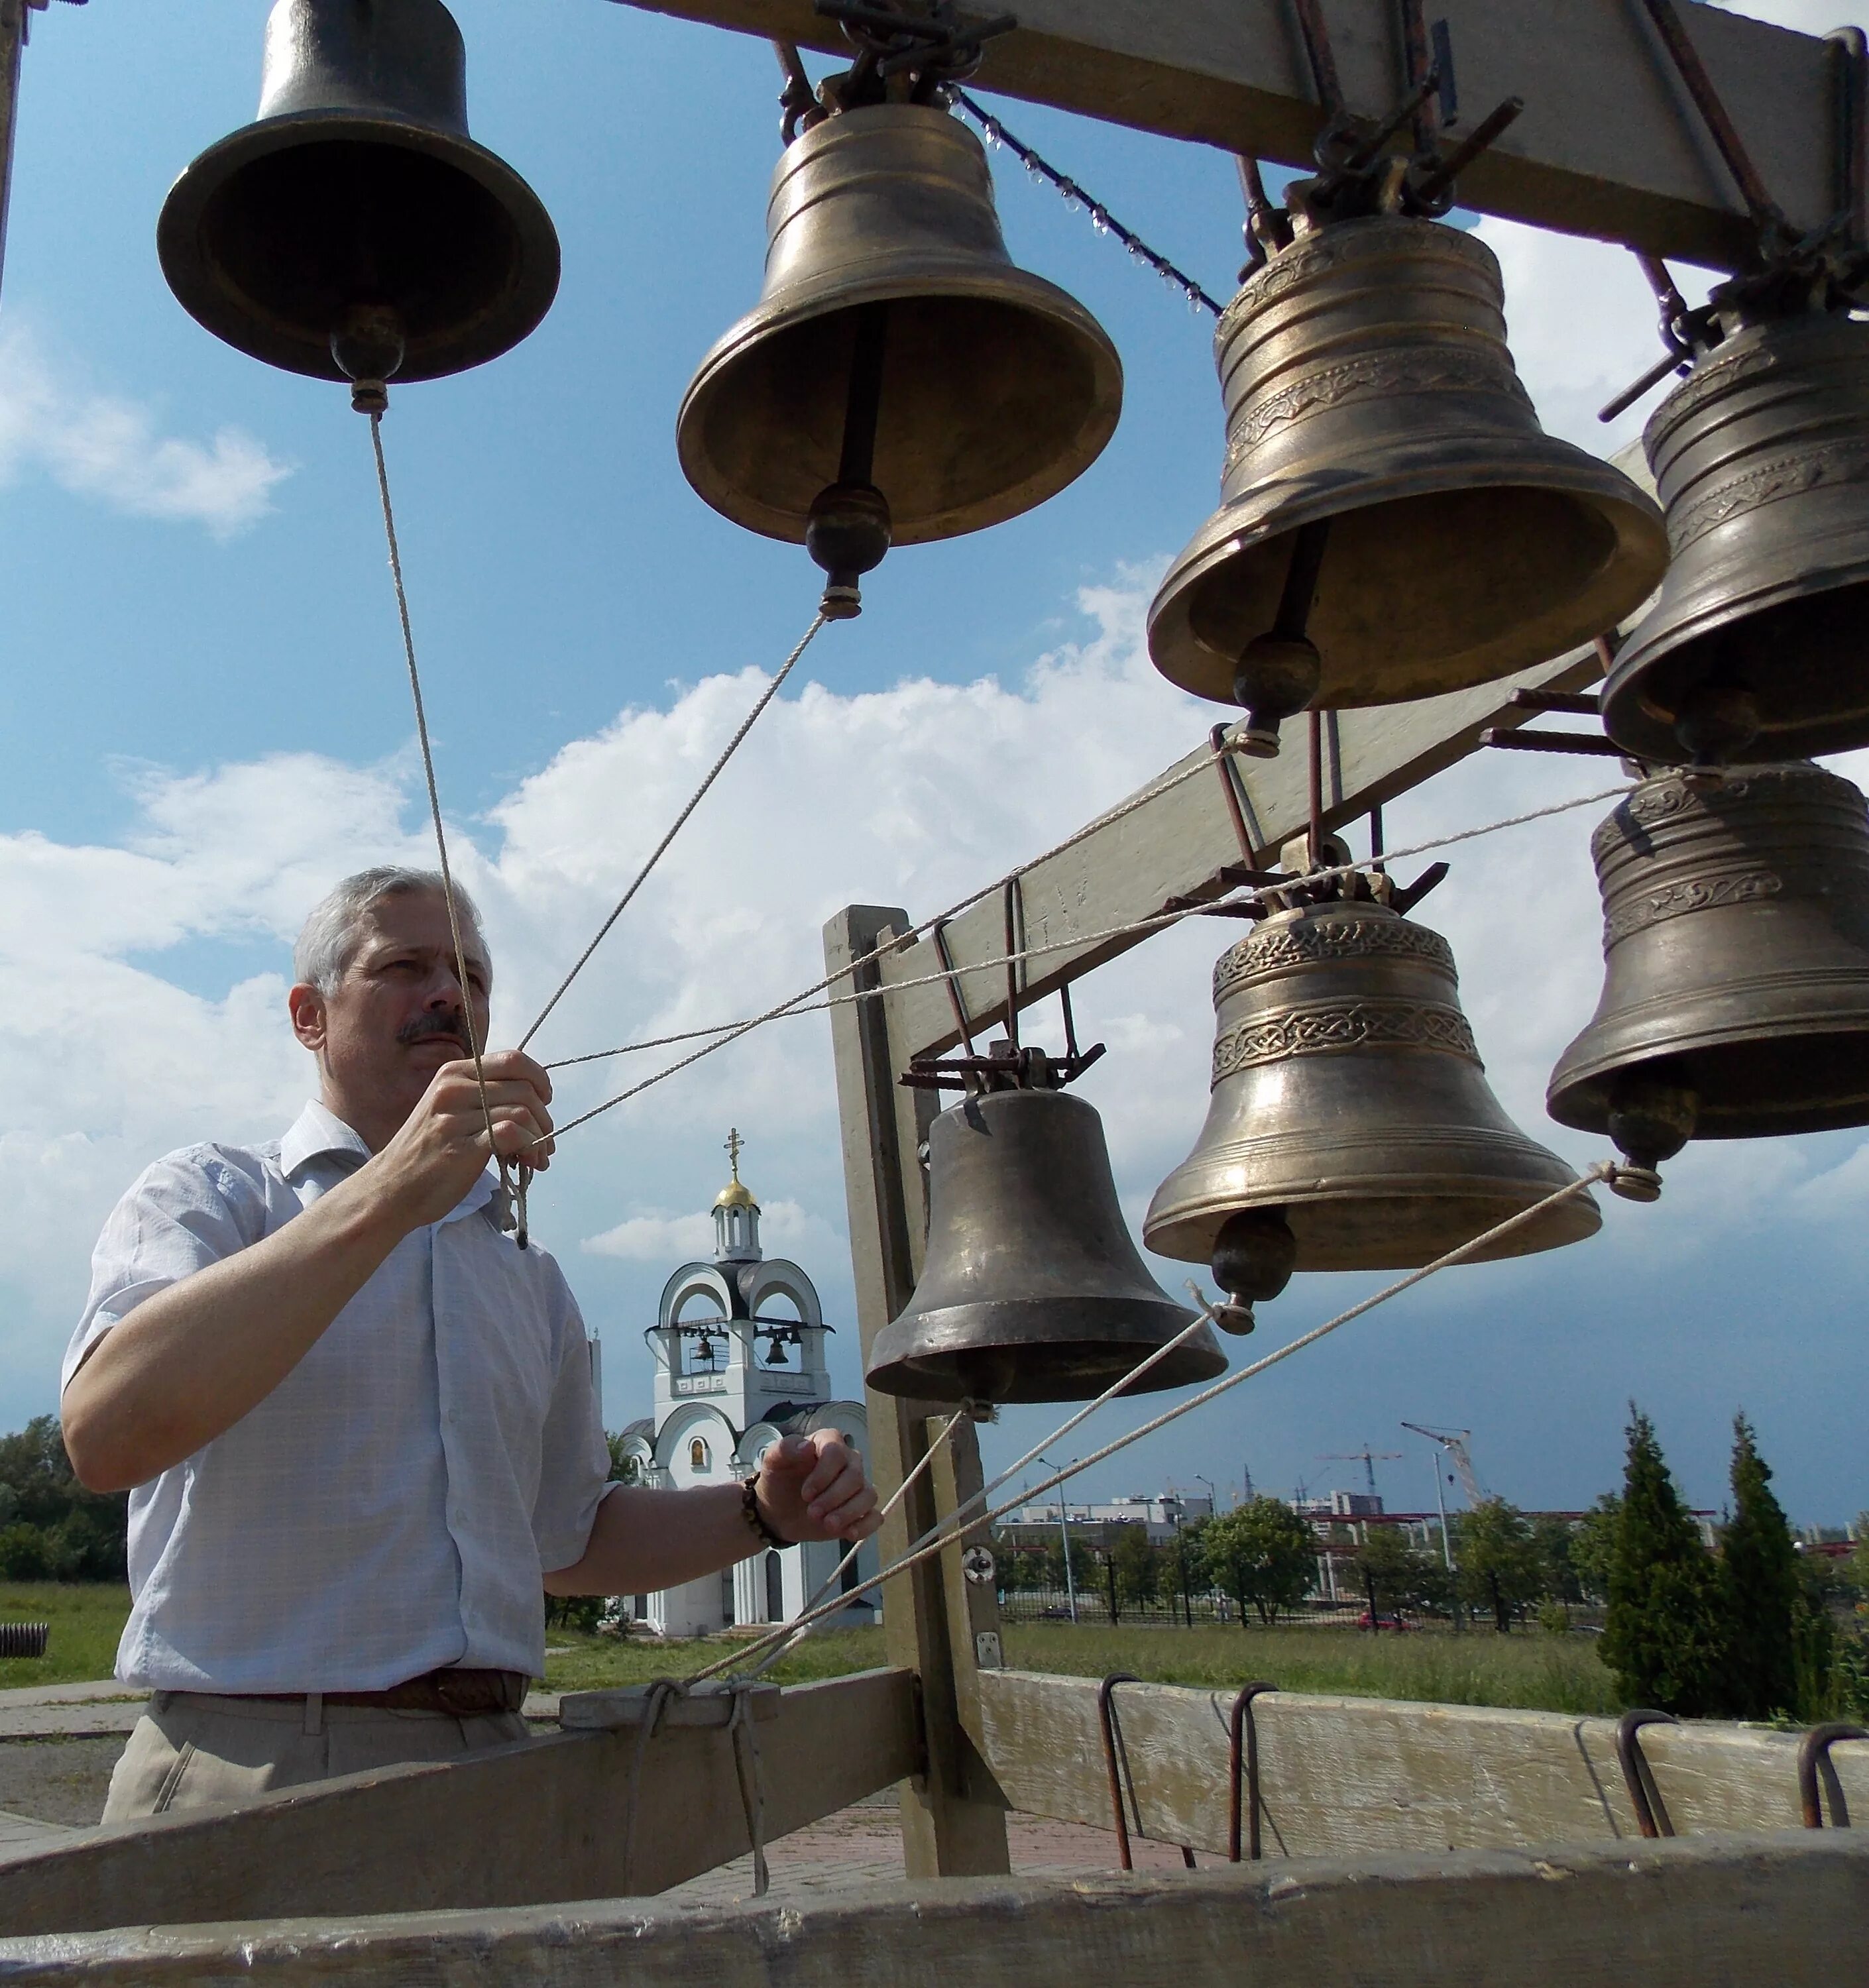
(1856, 1568)
(1393, 1573)
(1758, 1591)
(1263, 1555)
(1553, 1545)
(1499, 1564)
(1084, 1569)
(1593, 1546)
(1184, 1565)
(1137, 1570)
(1815, 1684)
(81, 1534)
(1662, 1639)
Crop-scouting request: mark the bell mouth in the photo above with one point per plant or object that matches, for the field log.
(1009, 1351)
(1423, 590)
(262, 242)
(1751, 1086)
(1804, 659)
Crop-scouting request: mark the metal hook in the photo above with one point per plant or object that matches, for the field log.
(1651, 1813)
(1117, 1760)
(1814, 1760)
(1244, 1734)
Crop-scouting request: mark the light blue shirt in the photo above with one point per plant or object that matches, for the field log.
(390, 1507)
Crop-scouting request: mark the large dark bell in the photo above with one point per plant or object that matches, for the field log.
(1735, 997)
(1032, 1290)
(359, 186)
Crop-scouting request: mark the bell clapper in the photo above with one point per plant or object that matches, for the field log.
(368, 348)
(1279, 671)
(1650, 1119)
(848, 532)
(1255, 1255)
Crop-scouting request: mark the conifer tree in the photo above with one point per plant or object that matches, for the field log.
(1661, 1638)
(1759, 1592)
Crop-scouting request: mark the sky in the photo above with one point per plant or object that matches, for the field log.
(209, 724)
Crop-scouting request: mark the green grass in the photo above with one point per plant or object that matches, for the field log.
(86, 1620)
(1550, 1673)
(1542, 1672)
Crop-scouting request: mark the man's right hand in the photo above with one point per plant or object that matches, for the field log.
(441, 1148)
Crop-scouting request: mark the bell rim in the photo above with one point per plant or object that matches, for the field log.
(890, 1368)
(1645, 734)
(195, 288)
(927, 278)
(1577, 1096)
(1188, 1235)
(1625, 580)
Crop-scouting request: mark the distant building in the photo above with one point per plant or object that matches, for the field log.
(739, 1351)
(1037, 1524)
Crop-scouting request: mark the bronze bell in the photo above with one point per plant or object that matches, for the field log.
(357, 207)
(1032, 1289)
(899, 380)
(1758, 647)
(1393, 522)
(1735, 934)
(1351, 1126)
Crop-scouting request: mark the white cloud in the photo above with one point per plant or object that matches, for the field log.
(102, 446)
(663, 1238)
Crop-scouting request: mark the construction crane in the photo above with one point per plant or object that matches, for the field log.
(1369, 1458)
(1455, 1442)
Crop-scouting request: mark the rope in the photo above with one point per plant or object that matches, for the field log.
(751, 1791)
(1604, 1170)
(675, 827)
(730, 1032)
(662, 1694)
(435, 811)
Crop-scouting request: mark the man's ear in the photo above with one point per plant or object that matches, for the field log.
(306, 1006)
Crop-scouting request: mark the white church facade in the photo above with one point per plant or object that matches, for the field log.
(739, 1346)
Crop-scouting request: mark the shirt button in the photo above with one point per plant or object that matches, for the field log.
(460, 1513)
(453, 1415)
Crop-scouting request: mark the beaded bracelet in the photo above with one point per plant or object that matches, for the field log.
(750, 1511)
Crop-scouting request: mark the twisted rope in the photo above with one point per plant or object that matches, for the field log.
(435, 812)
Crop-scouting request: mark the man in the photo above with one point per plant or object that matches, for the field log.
(356, 1419)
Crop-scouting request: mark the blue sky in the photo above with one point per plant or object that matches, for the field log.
(208, 723)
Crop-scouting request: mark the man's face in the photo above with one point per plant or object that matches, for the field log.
(395, 1017)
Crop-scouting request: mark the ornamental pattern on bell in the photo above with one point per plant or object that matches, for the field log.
(1328, 1028)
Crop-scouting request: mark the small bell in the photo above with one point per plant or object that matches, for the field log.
(1351, 1126)
(1735, 936)
(1032, 1290)
(1393, 522)
(899, 380)
(1758, 647)
(357, 209)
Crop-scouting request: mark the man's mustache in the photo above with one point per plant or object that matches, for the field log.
(442, 1023)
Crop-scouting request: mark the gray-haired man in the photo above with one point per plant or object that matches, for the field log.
(358, 1419)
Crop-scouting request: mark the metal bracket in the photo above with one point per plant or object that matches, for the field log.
(1651, 1813)
(1814, 1761)
(1245, 1737)
(1117, 1760)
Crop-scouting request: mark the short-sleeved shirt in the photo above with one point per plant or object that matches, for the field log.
(390, 1507)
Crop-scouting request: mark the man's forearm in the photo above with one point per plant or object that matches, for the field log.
(644, 1540)
(188, 1363)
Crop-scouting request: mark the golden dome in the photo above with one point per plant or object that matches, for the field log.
(735, 1194)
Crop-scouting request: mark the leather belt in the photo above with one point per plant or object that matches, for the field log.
(462, 1694)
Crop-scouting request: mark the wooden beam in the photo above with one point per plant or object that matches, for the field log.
(1608, 145)
(518, 1825)
(1173, 845)
(1347, 1775)
(1734, 1913)
(952, 1815)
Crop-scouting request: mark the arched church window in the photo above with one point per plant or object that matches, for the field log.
(697, 1454)
(775, 1588)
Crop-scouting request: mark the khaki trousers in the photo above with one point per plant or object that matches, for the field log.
(194, 1750)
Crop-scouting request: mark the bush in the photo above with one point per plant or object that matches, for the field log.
(22, 1552)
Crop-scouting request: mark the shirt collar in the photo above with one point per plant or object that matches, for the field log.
(318, 1133)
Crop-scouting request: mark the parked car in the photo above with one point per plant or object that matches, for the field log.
(1366, 1620)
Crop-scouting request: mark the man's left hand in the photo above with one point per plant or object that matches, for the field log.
(813, 1487)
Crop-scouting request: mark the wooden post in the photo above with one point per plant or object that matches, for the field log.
(953, 1813)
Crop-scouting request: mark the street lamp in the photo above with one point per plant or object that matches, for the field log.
(1213, 1496)
(1064, 1534)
